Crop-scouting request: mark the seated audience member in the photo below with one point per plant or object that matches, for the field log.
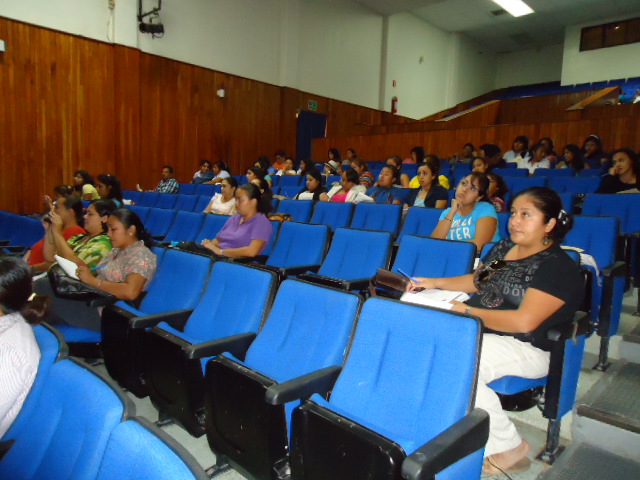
(443, 180)
(204, 174)
(278, 163)
(517, 310)
(466, 156)
(19, 351)
(247, 232)
(264, 164)
(109, 188)
(519, 151)
(365, 177)
(349, 190)
(167, 183)
(86, 249)
(572, 158)
(403, 179)
(265, 191)
(306, 165)
(289, 168)
(349, 156)
(479, 165)
(493, 154)
(417, 155)
(549, 150)
(224, 203)
(332, 167)
(497, 191)
(623, 175)
(471, 218)
(333, 155)
(593, 156)
(384, 191)
(313, 189)
(69, 209)
(59, 191)
(125, 272)
(84, 185)
(538, 159)
(430, 194)
(220, 171)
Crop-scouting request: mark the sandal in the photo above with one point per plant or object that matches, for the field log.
(489, 467)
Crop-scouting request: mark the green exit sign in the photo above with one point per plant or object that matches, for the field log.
(313, 105)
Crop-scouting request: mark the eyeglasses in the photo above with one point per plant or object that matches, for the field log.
(489, 270)
(467, 184)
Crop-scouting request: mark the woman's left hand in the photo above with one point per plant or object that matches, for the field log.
(56, 221)
(458, 306)
(84, 274)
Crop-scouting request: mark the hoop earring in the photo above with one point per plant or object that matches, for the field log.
(546, 240)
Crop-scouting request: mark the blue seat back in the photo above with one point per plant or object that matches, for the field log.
(420, 221)
(67, 433)
(132, 195)
(202, 189)
(432, 257)
(187, 188)
(138, 450)
(398, 370)
(568, 201)
(25, 231)
(297, 339)
(275, 230)
(299, 244)
(411, 169)
(503, 224)
(331, 179)
(333, 214)
(178, 284)
(624, 207)
(300, 210)
(511, 172)
(211, 225)
(373, 216)
(148, 199)
(186, 202)
(142, 212)
(202, 202)
(591, 172)
(290, 181)
(185, 227)
(160, 220)
(574, 184)
(356, 254)
(289, 191)
(402, 194)
(486, 248)
(166, 200)
(518, 184)
(554, 172)
(159, 253)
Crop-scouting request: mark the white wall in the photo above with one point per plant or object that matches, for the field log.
(598, 65)
(473, 70)
(528, 67)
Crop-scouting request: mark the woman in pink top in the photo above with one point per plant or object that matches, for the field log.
(348, 191)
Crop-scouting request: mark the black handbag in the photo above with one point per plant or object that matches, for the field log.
(388, 284)
(66, 287)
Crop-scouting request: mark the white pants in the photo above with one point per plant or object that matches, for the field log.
(505, 356)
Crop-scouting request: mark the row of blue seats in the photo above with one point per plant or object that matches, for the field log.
(76, 424)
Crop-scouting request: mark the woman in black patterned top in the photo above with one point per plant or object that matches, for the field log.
(526, 286)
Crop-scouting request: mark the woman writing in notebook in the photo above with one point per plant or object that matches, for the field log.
(526, 286)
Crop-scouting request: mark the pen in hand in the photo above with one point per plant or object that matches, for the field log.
(98, 267)
(407, 275)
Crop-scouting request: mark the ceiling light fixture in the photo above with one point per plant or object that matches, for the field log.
(517, 8)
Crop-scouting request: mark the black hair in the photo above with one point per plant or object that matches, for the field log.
(232, 181)
(482, 159)
(104, 207)
(86, 179)
(115, 189)
(168, 167)
(258, 172)
(63, 190)
(550, 204)
(352, 176)
(71, 202)
(336, 154)
(395, 172)
(263, 198)
(129, 218)
(307, 165)
(434, 171)
(202, 162)
(578, 162)
(264, 162)
(223, 166)
(281, 153)
(315, 173)
(419, 151)
(524, 140)
(550, 142)
(597, 141)
(490, 150)
(473, 148)
(433, 160)
(633, 156)
(502, 186)
(352, 151)
(361, 163)
(482, 184)
(16, 288)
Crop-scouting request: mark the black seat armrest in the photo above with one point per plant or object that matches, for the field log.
(616, 269)
(176, 319)
(321, 381)
(581, 325)
(4, 242)
(237, 345)
(158, 238)
(260, 259)
(358, 284)
(103, 301)
(15, 248)
(297, 270)
(458, 441)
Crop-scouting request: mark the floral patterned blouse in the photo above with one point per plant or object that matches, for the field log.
(90, 251)
(134, 259)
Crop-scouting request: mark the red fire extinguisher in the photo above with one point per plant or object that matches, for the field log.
(394, 105)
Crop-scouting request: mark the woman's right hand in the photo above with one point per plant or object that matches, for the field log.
(56, 221)
(455, 206)
(422, 282)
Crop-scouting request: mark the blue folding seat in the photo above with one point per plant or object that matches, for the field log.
(142, 212)
(24, 232)
(133, 195)
(574, 185)
(185, 227)
(518, 184)
(275, 180)
(179, 284)
(186, 202)
(554, 172)
(86, 203)
(52, 349)
(300, 210)
(202, 189)
(597, 237)
(511, 172)
(166, 200)
(401, 194)
(379, 217)
(138, 450)
(187, 188)
(393, 413)
(67, 433)
(420, 221)
(210, 227)
(289, 191)
(486, 248)
(332, 214)
(226, 319)
(308, 329)
(591, 172)
(274, 204)
(434, 258)
(568, 201)
(411, 169)
(159, 221)
(353, 259)
(148, 199)
(290, 181)
(503, 224)
(331, 179)
(202, 202)
(275, 224)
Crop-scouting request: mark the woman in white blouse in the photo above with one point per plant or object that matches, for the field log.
(224, 203)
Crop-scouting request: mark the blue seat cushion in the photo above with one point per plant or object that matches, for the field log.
(82, 335)
(512, 385)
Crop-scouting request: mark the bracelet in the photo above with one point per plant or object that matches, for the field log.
(221, 252)
(445, 218)
(467, 311)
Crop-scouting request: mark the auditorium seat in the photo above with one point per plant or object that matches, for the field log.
(185, 227)
(208, 190)
(186, 203)
(574, 185)
(166, 200)
(290, 181)
(210, 227)
(187, 188)
(159, 221)
(300, 210)
(202, 202)
(434, 258)
(554, 172)
(379, 217)
(420, 221)
(518, 184)
(333, 214)
(142, 212)
(148, 199)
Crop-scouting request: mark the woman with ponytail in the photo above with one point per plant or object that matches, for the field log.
(19, 351)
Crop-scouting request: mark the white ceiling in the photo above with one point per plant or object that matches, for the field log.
(505, 33)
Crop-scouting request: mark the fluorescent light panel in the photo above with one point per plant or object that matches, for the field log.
(517, 8)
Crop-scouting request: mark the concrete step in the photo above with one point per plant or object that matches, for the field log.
(630, 346)
(585, 462)
(608, 416)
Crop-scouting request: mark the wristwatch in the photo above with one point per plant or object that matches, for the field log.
(467, 310)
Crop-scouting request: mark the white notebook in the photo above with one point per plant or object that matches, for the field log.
(68, 266)
(434, 297)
